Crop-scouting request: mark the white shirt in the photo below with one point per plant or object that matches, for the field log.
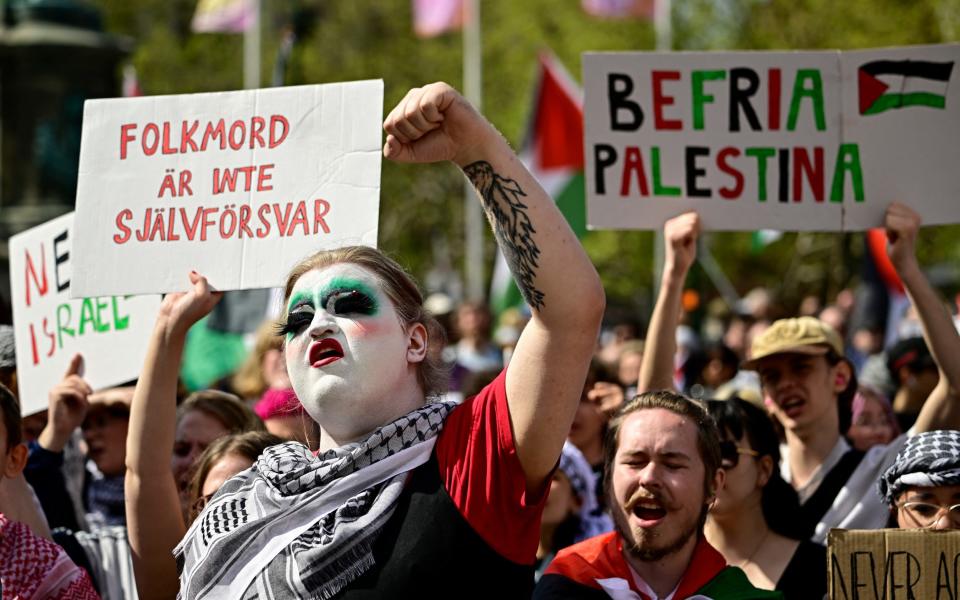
(619, 589)
(858, 505)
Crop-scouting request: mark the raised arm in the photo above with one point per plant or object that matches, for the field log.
(942, 408)
(68, 404)
(680, 243)
(154, 519)
(67, 407)
(555, 276)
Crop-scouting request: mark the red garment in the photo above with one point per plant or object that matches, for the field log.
(601, 557)
(482, 474)
(34, 567)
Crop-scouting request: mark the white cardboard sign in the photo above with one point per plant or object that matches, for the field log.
(778, 140)
(238, 186)
(49, 328)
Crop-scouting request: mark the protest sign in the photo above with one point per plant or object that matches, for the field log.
(891, 564)
(238, 186)
(49, 328)
(779, 140)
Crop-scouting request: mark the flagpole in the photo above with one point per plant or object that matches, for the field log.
(473, 91)
(251, 49)
(664, 40)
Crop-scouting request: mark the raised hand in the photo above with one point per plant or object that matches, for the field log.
(902, 224)
(435, 123)
(608, 396)
(182, 309)
(68, 404)
(680, 237)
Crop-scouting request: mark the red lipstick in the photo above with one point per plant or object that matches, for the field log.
(324, 352)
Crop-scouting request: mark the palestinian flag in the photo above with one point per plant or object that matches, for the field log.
(553, 152)
(887, 84)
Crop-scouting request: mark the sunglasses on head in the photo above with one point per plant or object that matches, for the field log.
(730, 453)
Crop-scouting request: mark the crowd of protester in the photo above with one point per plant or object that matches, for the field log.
(662, 463)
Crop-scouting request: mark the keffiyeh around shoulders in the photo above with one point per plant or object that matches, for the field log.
(34, 567)
(295, 525)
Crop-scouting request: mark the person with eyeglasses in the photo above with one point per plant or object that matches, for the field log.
(751, 523)
(922, 486)
(808, 385)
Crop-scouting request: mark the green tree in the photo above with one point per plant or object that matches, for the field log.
(421, 207)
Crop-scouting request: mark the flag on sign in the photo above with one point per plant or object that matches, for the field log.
(227, 16)
(887, 84)
(553, 153)
(619, 9)
(434, 17)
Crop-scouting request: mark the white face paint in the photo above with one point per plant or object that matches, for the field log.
(346, 349)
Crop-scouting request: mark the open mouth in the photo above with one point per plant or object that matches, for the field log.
(792, 406)
(324, 352)
(648, 510)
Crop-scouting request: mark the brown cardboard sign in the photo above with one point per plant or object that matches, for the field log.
(893, 564)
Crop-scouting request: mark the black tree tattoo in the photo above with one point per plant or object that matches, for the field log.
(511, 226)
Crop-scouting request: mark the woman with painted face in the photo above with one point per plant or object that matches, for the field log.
(751, 523)
(407, 496)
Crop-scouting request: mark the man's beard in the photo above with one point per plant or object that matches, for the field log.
(645, 550)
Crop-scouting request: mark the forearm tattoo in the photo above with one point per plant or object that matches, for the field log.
(511, 226)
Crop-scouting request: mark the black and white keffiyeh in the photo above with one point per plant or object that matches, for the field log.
(930, 459)
(299, 526)
(583, 481)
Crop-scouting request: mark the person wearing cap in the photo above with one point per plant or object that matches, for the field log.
(809, 385)
(915, 374)
(922, 486)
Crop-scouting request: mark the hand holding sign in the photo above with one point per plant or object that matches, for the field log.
(902, 224)
(68, 407)
(434, 123)
(179, 311)
(681, 235)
